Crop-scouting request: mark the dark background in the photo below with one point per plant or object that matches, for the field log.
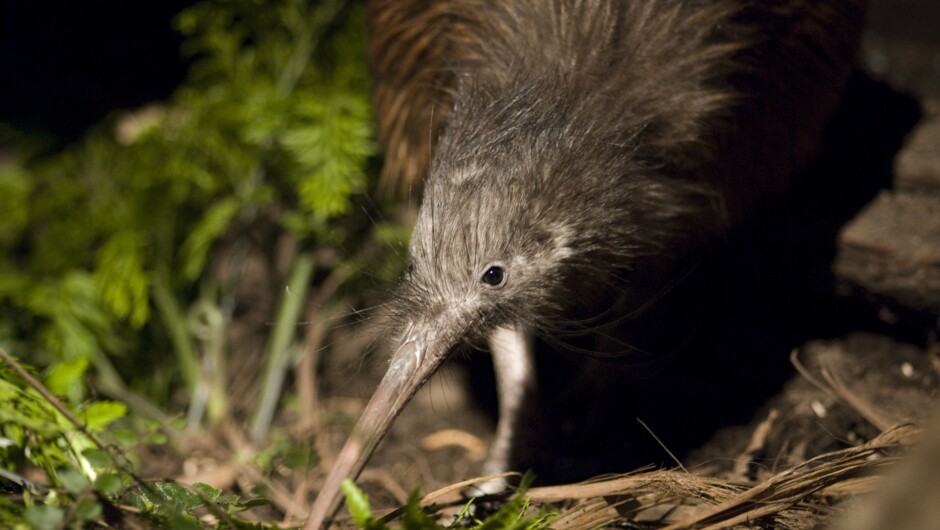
(65, 65)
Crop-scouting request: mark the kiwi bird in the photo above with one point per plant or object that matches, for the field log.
(572, 155)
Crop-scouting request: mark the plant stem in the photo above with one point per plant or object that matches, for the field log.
(109, 382)
(176, 325)
(208, 325)
(278, 354)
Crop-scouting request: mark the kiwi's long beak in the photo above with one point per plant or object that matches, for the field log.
(415, 360)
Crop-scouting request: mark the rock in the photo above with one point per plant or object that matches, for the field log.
(917, 166)
(891, 250)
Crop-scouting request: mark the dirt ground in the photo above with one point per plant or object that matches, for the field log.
(751, 390)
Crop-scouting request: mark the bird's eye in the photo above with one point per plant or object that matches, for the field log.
(494, 276)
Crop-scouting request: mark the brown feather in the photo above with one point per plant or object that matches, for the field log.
(698, 73)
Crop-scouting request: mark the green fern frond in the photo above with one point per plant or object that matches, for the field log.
(121, 278)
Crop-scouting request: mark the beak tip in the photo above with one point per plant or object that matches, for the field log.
(411, 364)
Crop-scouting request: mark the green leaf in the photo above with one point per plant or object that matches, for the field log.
(331, 143)
(99, 414)
(88, 509)
(417, 518)
(213, 224)
(109, 484)
(97, 458)
(125, 437)
(513, 515)
(156, 438)
(182, 498)
(75, 322)
(357, 502)
(74, 481)
(44, 517)
(65, 378)
(154, 425)
(121, 277)
(208, 491)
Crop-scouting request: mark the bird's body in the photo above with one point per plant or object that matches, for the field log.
(576, 153)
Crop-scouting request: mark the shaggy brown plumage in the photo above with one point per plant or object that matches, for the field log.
(571, 150)
(748, 73)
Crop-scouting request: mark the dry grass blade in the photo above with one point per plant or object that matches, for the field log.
(675, 500)
(594, 513)
(648, 496)
(758, 440)
(454, 488)
(447, 496)
(795, 485)
(677, 483)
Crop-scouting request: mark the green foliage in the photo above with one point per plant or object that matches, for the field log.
(275, 117)
(358, 504)
(514, 514)
(44, 517)
(311, 128)
(286, 452)
(84, 476)
(107, 248)
(171, 505)
(415, 517)
(65, 378)
(122, 277)
(35, 433)
(15, 188)
(38, 435)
